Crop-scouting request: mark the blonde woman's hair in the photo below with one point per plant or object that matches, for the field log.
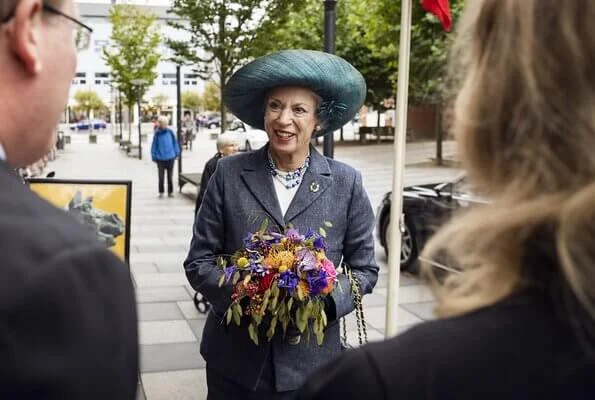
(524, 120)
(162, 119)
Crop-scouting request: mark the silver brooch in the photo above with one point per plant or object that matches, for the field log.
(314, 187)
(294, 339)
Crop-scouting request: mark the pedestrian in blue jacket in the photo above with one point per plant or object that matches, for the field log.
(164, 151)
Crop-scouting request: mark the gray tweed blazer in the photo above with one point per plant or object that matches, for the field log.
(239, 196)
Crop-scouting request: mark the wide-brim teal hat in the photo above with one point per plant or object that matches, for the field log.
(341, 87)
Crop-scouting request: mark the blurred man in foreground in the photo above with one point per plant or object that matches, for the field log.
(67, 307)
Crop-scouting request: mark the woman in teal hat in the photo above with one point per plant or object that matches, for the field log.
(293, 95)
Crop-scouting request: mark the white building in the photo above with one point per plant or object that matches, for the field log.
(94, 74)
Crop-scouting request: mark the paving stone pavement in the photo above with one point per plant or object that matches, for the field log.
(169, 325)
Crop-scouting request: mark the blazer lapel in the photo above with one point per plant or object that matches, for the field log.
(259, 182)
(316, 180)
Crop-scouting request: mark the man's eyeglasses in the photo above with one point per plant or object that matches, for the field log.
(82, 32)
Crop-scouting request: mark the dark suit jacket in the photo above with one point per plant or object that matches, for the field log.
(239, 196)
(68, 326)
(519, 349)
(207, 172)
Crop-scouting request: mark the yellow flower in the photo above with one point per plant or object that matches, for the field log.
(242, 262)
(285, 258)
(283, 268)
(320, 255)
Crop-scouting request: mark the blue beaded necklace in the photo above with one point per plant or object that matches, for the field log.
(289, 179)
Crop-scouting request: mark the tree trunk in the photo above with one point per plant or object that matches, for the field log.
(129, 123)
(221, 104)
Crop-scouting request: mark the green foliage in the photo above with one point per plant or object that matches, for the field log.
(87, 101)
(223, 34)
(367, 35)
(191, 100)
(133, 51)
(160, 101)
(211, 99)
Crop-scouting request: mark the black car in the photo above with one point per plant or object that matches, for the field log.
(425, 208)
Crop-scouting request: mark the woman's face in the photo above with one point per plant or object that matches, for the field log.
(290, 119)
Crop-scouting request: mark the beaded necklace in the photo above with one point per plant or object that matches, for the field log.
(289, 179)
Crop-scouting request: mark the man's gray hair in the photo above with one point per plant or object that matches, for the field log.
(225, 139)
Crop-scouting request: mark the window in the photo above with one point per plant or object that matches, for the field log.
(101, 74)
(194, 83)
(82, 81)
(97, 82)
(164, 83)
(169, 76)
(81, 74)
(173, 82)
(190, 76)
(186, 82)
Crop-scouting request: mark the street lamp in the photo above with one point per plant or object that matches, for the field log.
(329, 47)
(139, 83)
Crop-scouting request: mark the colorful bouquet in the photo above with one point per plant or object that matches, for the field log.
(280, 279)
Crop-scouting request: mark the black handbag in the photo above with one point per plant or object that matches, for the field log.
(362, 334)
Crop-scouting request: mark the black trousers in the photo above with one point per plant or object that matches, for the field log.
(162, 167)
(220, 387)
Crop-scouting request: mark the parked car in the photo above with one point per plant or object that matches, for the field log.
(247, 137)
(213, 121)
(85, 124)
(425, 208)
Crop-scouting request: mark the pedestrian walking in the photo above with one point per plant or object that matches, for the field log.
(67, 304)
(293, 95)
(516, 318)
(164, 151)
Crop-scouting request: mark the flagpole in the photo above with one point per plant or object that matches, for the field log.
(394, 258)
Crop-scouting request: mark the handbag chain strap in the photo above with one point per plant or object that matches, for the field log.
(362, 333)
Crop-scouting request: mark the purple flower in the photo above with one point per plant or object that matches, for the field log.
(306, 260)
(294, 235)
(319, 243)
(229, 271)
(310, 233)
(288, 280)
(316, 281)
(256, 268)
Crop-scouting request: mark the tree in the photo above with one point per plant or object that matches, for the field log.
(223, 34)
(211, 97)
(87, 101)
(160, 101)
(191, 100)
(132, 53)
(302, 27)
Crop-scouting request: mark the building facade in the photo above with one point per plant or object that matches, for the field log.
(94, 74)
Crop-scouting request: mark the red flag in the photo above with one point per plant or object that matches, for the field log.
(441, 9)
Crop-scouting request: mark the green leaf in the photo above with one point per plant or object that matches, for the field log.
(275, 299)
(322, 232)
(302, 319)
(324, 318)
(253, 334)
(290, 303)
(272, 328)
(264, 225)
(229, 315)
(319, 337)
(236, 277)
(328, 224)
(237, 317)
(257, 318)
(247, 279)
(222, 280)
(284, 322)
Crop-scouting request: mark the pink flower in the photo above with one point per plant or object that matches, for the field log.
(329, 268)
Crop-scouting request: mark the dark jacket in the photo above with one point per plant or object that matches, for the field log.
(239, 196)
(165, 146)
(68, 324)
(208, 171)
(518, 349)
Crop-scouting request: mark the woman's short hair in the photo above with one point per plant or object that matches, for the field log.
(522, 114)
(162, 119)
(225, 139)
